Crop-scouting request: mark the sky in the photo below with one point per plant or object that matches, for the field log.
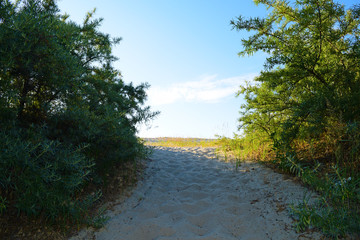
(187, 51)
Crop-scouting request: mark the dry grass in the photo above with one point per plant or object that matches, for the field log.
(181, 142)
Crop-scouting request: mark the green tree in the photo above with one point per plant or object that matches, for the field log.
(306, 102)
(311, 77)
(63, 104)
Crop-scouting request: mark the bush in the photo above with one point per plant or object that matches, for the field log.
(39, 176)
(66, 115)
(306, 100)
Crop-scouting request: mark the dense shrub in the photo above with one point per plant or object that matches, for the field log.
(38, 175)
(306, 101)
(66, 115)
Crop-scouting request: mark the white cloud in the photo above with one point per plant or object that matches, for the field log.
(207, 89)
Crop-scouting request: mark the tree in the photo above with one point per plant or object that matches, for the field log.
(311, 78)
(63, 104)
(307, 102)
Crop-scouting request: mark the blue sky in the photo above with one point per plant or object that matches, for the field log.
(187, 52)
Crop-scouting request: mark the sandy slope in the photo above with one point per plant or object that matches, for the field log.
(189, 194)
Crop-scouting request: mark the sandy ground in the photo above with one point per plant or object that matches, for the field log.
(189, 194)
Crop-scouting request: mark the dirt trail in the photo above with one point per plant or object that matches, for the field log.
(189, 194)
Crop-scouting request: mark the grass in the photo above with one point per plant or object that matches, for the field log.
(336, 212)
(181, 142)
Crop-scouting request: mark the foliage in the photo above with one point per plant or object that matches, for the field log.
(311, 77)
(306, 100)
(66, 114)
(254, 146)
(40, 175)
(334, 212)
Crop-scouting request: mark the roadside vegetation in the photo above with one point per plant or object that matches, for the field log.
(302, 113)
(181, 142)
(67, 119)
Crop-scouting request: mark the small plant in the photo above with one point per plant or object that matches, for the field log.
(237, 163)
(2, 204)
(302, 212)
(334, 221)
(336, 211)
(99, 220)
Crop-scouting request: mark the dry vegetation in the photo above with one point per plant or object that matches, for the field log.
(181, 142)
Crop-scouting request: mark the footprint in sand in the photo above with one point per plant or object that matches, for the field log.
(189, 194)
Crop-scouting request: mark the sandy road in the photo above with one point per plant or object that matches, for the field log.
(189, 194)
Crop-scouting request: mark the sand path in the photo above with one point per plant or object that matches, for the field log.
(188, 194)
